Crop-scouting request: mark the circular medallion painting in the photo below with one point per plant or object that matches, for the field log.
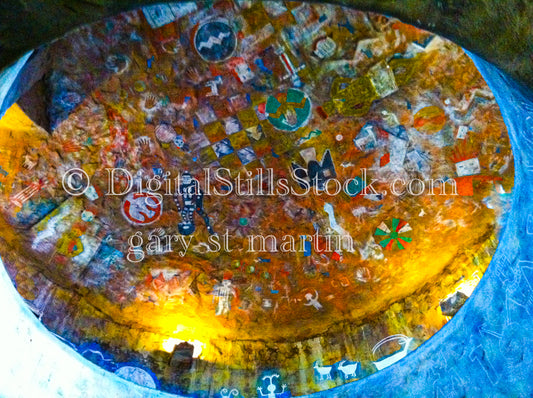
(215, 41)
(288, 111)
(295, 197)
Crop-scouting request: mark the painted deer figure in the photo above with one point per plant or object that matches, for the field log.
(348, 371)
(324, 372)
(403, 340)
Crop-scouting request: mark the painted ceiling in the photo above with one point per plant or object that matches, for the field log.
(269, 107)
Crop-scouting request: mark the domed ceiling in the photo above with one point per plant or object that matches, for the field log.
(253, 195)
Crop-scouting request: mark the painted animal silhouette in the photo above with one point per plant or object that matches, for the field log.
(324, 372)
(348, 371)
(403, 340)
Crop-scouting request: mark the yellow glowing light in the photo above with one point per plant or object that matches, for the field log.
(18, 136)
(15, 119)
(171, 342)
(467, 286)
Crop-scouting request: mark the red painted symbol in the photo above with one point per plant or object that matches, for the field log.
(142, 208)
(24, 195)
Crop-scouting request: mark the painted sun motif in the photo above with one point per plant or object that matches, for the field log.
(395, 236)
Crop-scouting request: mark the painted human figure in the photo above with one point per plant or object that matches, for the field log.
(222, 293)
(192, 200)
(313, 301)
